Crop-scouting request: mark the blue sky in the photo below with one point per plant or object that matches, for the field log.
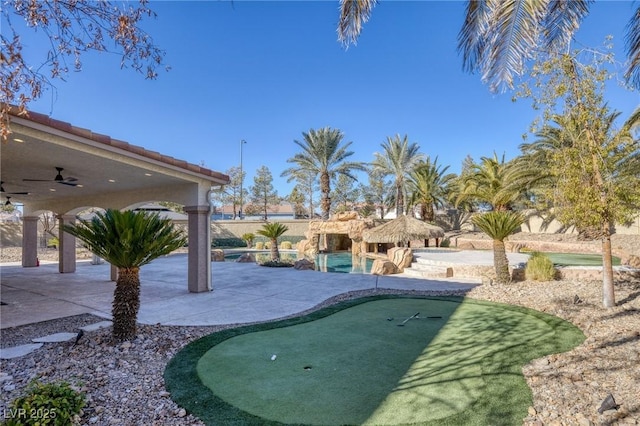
(267, 71)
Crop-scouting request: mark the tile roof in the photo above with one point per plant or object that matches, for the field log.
(107, 140)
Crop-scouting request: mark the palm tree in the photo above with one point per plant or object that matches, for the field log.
(128, 240)
(495, 182)
(562, 134)
(499, 225)
(273, 231)
(498, 37)
(323, 155)
(399, 157)
(429, 187)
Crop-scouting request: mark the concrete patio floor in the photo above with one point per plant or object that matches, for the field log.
(242, 292)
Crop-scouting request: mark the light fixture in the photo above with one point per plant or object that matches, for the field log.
(52, 190)
(18, 140)
(112, 180)
(148, 174)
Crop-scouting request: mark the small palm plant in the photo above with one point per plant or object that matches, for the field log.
(248, 238)
(127, 240)
(273, 231)
(499, 225)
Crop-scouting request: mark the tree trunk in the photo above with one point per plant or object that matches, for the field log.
(399, 200)
(126, 303)
(325, 188)
(275, 254)
(500, 262)
(608, 294)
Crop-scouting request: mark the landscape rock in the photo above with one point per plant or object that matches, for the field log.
(246, 258)
(217, 255)
(402, 257)
(383, 267)
(304, 265)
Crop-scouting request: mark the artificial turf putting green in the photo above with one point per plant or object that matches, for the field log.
(350, 364)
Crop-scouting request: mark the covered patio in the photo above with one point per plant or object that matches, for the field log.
(50, 165)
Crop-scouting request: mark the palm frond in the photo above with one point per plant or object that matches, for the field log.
(128, 239)
(562, 20)
(499, 224)
(498, 37)
(353, 14)
(633, 49)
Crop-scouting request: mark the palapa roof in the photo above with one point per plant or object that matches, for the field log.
(403, 228)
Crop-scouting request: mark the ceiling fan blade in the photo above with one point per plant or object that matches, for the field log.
(37, 180)
(68, 183)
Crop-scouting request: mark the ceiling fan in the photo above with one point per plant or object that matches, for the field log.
(59, 179)
(11, 193)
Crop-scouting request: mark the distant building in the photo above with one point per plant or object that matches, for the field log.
(274, 212)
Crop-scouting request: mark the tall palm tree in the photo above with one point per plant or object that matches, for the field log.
(429, 186)
(324, 155)
(398, 158)
(273, 231)
(498, 37)
(128, 240)
(499, 225)
(495, 182)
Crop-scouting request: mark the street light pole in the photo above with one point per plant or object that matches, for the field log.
(242, 142)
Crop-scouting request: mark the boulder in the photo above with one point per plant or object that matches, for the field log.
(345, 216)
(633, 261)
(217, 255)
(246, 258)
(402, 257)
(304, 265)
(383, 267)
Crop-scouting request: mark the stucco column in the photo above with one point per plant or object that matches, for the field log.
(29, 241)
(199, 248)
(67, 249)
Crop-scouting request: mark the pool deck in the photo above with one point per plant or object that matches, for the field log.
(242, 292)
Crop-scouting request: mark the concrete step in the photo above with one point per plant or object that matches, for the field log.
(422, 270)
(429, 262)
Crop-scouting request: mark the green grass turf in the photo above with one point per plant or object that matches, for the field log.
(462, 369)
(579, 259)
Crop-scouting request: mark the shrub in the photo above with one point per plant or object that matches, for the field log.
(228, 242)
(53, 242)
(46, 404)
(445, 243)
(286, 245)
(260, 245)
(267, 245)
(539, 268)
(277, 264)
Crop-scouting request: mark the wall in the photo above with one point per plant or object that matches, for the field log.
(11, 234)
(237, 228)
(535, 223)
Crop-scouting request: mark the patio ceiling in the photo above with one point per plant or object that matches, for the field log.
(108, 172)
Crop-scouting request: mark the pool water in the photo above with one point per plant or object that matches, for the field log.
(326, 262)
(343, 263)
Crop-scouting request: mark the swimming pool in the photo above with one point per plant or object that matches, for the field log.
(325, 262)
(343, 263)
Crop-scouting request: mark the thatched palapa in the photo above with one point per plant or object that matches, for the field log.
(401, 229)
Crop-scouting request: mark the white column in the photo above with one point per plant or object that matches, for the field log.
(29, 241)
(199, 248)
(67, 249)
